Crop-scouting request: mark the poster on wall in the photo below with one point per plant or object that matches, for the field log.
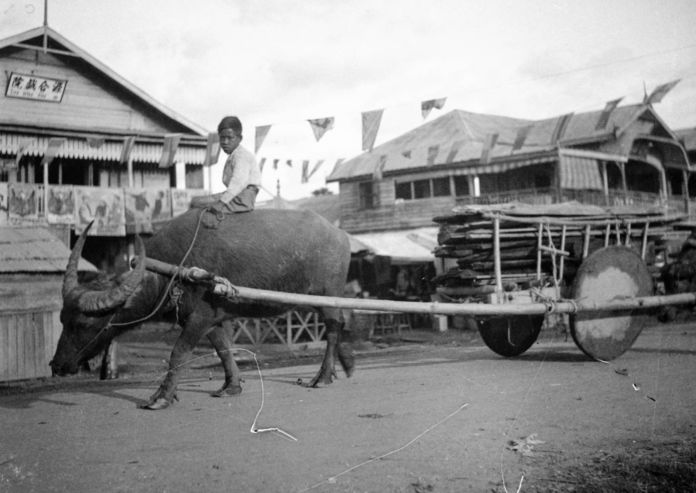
(61, 204)
(3, 203)
(24, 202)
(181, 199)
(104, 206)
(147, 209)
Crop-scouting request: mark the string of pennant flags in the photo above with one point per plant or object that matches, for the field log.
(370, 127)
(371, 121)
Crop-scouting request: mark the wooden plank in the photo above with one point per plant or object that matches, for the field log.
(40, 345)
(30, 345)
(4, 347)
(24, 296)
(12, 359)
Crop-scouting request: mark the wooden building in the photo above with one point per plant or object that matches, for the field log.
(625, 156)
(32, 265)
(65, 119)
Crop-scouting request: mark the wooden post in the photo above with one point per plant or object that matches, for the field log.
(627, 241)
(45, 190)
(605, 182)
(607, 233)
(586, 242)
(540, 241)
(644, 243)
(563, 243)
(60, 173)
(685, 185)
(496, 257)
(288, 328)
(131, 181)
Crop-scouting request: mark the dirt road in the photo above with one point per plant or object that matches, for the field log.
(440, 417)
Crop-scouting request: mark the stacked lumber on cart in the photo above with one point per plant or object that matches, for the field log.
(569, 232)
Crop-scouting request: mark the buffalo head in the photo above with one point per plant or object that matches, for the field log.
(88, 308)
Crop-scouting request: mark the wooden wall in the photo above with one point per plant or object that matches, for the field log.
(29, 325)
(388, 214)
(90, 99)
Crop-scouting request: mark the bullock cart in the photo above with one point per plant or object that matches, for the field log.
(515, 267)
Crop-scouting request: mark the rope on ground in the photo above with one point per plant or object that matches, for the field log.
(333, 479)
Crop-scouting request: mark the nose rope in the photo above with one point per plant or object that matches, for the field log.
(110, 323)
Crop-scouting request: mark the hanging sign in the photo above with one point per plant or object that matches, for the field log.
(32, 87)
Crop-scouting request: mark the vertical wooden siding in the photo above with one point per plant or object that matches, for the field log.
(90, 100)
(27, 343)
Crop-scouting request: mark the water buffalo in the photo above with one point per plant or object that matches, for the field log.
(280, 250)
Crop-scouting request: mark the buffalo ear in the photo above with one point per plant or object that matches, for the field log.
(124, 286)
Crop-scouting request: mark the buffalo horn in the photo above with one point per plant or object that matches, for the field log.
(70, 281)
(126, 284)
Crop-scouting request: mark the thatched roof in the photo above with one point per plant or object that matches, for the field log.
(34, 250)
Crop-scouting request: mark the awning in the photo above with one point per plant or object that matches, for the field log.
(78, 148)
(580, 173)
(404, 247)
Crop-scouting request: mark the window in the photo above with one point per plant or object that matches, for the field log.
(403, 191)
(366, 195)
(421, 189)
(425, 189)
(441, 187)
(461, 186)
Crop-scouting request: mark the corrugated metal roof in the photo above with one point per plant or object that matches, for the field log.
(688, 136)
(34, 250)
(405, 246)
(470, 131)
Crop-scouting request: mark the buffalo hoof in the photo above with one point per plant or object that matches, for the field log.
(228, 391)
(156, 403)
(324, 376)
(160, 403)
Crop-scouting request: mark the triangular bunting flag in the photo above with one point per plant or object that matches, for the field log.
(488, 146)
(453, 151)
(560, 129)
(660, 92)
(305, 170)
(370, 126)
(427, 106)
(54, 146)
(606, 112)
(22, 149)
(432, 154)
(95, 142)
(171, 144)
(128, 144)
(317, 166)
(212, 149)
(261, 133)
(379, 169)
(275, 163)
(406, 154)
(521, 137)
(261, 163)
(320, 126)
(289, 162)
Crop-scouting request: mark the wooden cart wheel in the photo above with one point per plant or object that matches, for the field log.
(510, 336)
(613, 272)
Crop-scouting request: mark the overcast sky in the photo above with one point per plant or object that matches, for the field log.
(281, 62)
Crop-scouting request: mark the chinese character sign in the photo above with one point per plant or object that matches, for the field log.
(32, 87)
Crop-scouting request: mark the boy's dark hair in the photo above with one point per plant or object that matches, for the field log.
(230, 122)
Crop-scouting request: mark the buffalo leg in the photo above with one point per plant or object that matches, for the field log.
(220, 340)
(181, 354)
(334, 330)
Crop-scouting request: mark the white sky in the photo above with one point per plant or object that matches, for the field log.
(282, 62)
